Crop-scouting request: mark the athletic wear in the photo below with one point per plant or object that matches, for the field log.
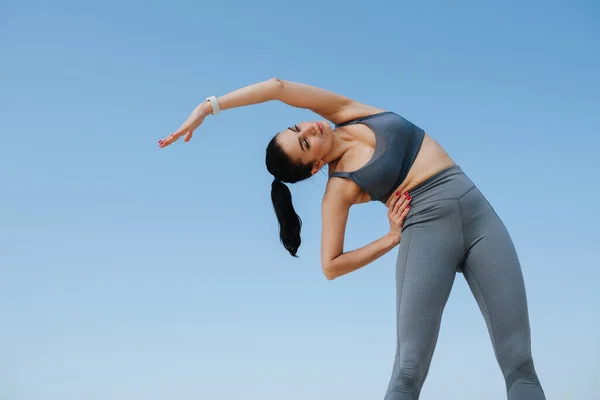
(452, 228)
(397, 143)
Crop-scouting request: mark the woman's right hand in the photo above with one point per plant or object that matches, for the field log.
(397, 211)
(189, 126)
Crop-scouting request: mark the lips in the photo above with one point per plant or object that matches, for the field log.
(320, 125)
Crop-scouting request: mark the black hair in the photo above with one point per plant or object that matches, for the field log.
(284, 169)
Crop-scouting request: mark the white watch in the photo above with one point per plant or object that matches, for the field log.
(214, 104)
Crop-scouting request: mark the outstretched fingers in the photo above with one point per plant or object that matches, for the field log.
(172, 138)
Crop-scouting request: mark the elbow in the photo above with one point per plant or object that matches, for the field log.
(329, 275)
(328, 271)
(276, 86)
(276, 83)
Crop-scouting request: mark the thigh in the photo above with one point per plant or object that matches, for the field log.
(493, 272)
(428, 257)
(425, 271)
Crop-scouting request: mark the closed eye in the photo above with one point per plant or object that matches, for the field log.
(304, 145)
(305, 140)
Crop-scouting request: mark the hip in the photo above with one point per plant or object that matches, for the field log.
(452, 196)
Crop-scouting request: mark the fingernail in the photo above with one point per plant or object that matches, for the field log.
(397, 193)
(408, 207)
(406, 193)
(409, 197)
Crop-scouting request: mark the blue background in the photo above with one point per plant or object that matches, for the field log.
(133, 272)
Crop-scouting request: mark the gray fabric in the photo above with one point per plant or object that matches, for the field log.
(397, 143)
(452, 228)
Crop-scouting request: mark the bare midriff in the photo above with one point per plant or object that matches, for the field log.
(431, 159)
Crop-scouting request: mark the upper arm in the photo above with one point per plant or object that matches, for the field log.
(339, 197)
(332, 106)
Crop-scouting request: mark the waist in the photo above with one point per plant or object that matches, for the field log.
(431, 161)
(449, 183)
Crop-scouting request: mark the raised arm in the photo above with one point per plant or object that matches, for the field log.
(331, 106)
(336, 204)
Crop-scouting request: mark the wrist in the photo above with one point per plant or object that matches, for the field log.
(205, 108)
(393, 237)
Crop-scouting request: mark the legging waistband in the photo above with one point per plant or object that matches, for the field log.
(449, 183)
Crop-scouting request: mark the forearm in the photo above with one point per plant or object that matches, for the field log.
(248, 95)
(355, 259)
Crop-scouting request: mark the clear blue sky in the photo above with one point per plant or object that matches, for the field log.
(133, 272)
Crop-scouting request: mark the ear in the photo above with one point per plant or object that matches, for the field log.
(317, 166)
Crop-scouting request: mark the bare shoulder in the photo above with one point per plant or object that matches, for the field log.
(341, 192)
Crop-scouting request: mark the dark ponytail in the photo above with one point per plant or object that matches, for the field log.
(284, 170)
(290, 223)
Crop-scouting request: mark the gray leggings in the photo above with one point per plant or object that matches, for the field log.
(452, 228)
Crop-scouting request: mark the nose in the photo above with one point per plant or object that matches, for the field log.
(309, 130)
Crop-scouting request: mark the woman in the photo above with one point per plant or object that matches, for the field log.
(448, 227)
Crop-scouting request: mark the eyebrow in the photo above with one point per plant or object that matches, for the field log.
(299, 139)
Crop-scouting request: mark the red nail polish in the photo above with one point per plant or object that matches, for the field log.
(397, 193)
(406, 193)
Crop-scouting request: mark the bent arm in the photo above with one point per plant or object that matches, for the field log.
(331, 106)
(335, 209)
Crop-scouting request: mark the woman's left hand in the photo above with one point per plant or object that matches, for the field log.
(397, 211)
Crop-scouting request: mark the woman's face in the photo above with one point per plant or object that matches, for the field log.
(307, 142)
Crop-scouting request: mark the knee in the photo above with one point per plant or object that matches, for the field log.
(404, 381)
(514, 353)
(516, 362)
(525, 371)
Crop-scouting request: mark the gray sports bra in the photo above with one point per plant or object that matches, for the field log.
(397, 143)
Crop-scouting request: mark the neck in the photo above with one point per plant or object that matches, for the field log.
(342, 142)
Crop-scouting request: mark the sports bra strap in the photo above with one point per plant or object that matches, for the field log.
(351, 122)
(341, 174)
(364, 118)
